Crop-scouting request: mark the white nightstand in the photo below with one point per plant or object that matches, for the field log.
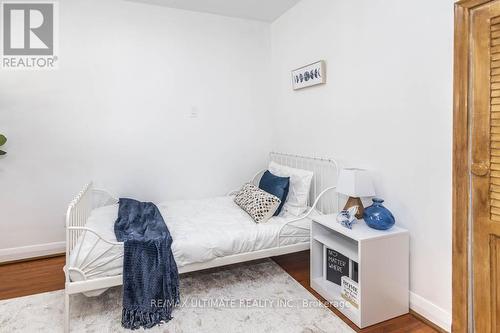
(382, 259)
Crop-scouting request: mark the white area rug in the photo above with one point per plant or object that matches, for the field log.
(259, 297)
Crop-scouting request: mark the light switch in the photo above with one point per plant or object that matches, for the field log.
(193, 112)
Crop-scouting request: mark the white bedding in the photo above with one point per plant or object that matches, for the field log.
(202, 230)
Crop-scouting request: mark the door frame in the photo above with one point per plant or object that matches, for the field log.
(461, 171)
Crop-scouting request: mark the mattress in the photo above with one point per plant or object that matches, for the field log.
(202, 230)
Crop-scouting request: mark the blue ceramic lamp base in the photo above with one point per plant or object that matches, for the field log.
(377, 216)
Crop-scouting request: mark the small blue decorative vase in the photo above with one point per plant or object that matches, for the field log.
(377, 216)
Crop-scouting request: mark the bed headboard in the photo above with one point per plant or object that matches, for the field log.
(326, 173)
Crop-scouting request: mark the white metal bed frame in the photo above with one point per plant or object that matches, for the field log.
(321, 198)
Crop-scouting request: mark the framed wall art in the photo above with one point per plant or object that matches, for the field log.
(309, 75)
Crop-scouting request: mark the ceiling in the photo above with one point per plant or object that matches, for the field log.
(261, 10)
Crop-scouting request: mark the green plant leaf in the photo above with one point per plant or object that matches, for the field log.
(2, 152)
(3, 140)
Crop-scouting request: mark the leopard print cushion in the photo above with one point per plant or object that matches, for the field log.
(259, 204)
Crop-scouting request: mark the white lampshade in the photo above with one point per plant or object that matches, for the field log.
(355, 183)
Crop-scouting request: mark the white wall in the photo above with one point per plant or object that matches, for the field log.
(387, 107)
(117, 111)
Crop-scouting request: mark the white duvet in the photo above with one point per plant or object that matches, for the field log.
(202, 230)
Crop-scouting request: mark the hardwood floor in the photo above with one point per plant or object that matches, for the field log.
(43, 275)
(297, 265)
(31, 277)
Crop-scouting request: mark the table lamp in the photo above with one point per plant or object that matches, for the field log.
(355, 183)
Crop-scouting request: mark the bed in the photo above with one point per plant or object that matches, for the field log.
(94, 258)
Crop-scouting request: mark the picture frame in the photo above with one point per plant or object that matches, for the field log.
(309, 75)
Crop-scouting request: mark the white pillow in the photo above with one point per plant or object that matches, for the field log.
(300, 184)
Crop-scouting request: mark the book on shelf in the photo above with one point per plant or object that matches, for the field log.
(350, 291)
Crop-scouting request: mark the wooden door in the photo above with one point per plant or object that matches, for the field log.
(485, 165)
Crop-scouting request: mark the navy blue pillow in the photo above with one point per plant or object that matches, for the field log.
(275, 185)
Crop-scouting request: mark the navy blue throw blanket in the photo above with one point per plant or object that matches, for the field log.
(150, 276)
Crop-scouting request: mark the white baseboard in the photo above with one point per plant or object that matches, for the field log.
(25, 252)
(430, 311)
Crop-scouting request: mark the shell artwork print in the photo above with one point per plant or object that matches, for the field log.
(310, 75)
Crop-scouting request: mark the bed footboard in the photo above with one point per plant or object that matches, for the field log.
(79, 211)
(85, 264)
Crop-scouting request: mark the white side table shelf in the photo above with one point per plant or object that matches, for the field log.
(382, 259)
